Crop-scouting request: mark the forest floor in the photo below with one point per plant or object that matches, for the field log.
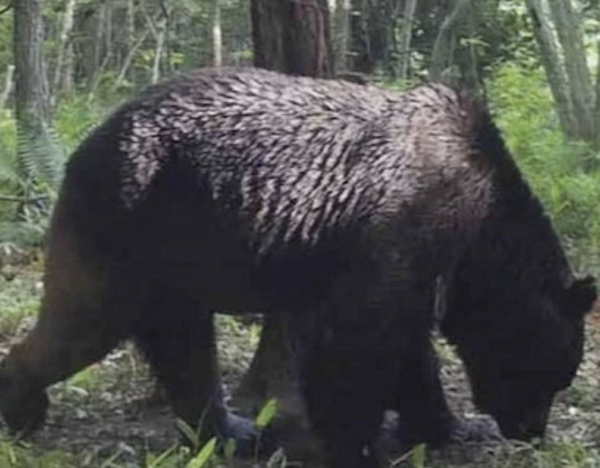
(98, 418)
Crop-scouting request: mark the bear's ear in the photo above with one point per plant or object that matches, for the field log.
(582, 294)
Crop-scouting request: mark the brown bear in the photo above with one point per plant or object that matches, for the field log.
(250, 191)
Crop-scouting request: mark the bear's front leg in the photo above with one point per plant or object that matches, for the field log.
(23, 405)
(177, 336)
(421, 403)
(345, 376)
(76, 327)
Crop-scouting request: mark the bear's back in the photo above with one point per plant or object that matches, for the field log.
(301, 155)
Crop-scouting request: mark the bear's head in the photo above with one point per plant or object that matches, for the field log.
(520, 348)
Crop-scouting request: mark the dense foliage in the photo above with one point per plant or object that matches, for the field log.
(564, 174)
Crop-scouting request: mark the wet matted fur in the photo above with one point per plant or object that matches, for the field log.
(249, 191)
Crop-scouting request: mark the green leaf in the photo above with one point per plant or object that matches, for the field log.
(204, 456)
(188, 432)
(156, 462)
(267, 413)
(418, 456)
(229, 449)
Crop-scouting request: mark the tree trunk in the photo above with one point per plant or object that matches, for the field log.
(291, 37)
(31, 88)
(107, 30)
(97, 42)
(408, 18)
(128, 61)
(550, 58)
(308, 47)
(580, 82)
(597, 102)
(467, 58)
(31, 92)
(8, 86)
(268, 34)
(442, 56)
(130, 23)
(370, 26)
(99, 52)
(341, 39)
(161, 27)
(217, 35)
(130, 40)
(63, 73)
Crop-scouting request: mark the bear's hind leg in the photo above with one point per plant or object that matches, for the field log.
(345, 379)
(177, 337)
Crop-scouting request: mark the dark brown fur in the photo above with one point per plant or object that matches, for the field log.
(250, 191)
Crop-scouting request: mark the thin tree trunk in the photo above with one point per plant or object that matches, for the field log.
(130, 23)
(217, 35)
(341, 36)
(597, 105)
(442, 53)
(67, 81)
(8, 86)
(63, 72)
(97, 44)
(371, 24)
(550, 58)
(467, 60)
(160, 42)
(167, 49)
(98, 78)
(159, 17)
(580, 82)
(129, 59)
(130, 39)
(107, 30)
(408, 17)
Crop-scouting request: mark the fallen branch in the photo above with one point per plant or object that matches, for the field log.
(6, 8)
(12, 199)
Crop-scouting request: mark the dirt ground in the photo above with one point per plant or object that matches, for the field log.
(102, 413)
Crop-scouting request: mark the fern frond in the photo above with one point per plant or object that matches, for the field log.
(40, 158)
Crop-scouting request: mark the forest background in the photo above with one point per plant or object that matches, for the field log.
(65, 64)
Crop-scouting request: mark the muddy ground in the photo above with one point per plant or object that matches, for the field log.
(102, 415)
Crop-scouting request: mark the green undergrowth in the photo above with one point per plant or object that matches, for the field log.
(19, 300)
(513, 455)
(562, 455)
(14, 455)
(31, 170)
(211, 454)
(564, 174)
